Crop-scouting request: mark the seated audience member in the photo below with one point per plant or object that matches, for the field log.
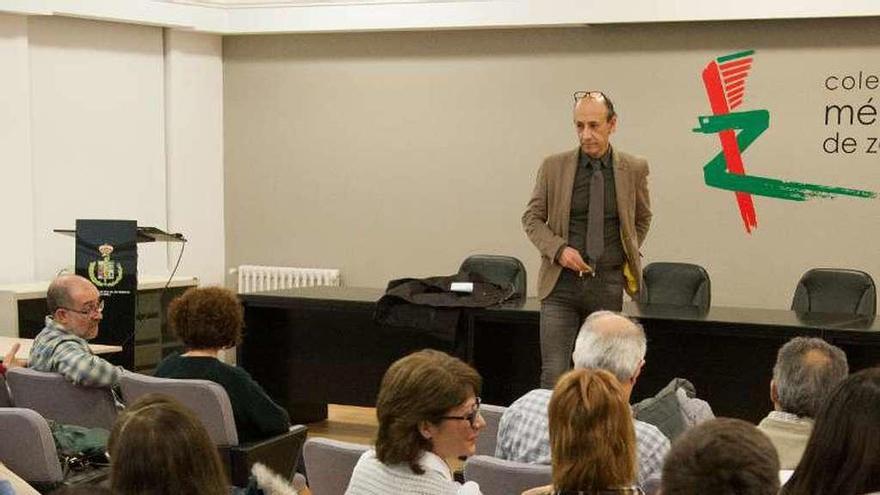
(158, 447)
(806, 371)
(10, 361)
(722, 456)
(75, 310)
(428, 412)
(209, 320)
(606, 341)
(843, 454)
(592, 440)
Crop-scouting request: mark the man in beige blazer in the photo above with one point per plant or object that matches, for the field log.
(587, 231)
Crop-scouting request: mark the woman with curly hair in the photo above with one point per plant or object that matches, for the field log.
(208, 320)
(428, 412)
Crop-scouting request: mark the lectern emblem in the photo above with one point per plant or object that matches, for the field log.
(105, 272)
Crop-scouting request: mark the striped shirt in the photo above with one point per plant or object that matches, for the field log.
(58, 351)
(524, 436)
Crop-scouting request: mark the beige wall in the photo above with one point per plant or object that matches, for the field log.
(398, 154)
(108, 120)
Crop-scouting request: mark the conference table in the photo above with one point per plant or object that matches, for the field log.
(312, 346)
(24, 351)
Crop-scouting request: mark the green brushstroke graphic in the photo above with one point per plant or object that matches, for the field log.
(752, 124)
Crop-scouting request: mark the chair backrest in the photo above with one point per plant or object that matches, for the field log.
(329, 464)
(835, 290)
(500, 270)
(489, 435)
(5, 401)
(679, 284)
(27, 448)
(208, 400)
(58, 399)
(500, 477)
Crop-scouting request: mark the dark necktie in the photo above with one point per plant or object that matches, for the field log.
(596, 215)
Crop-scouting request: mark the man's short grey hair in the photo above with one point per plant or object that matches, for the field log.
(619, 351)
(802, 383)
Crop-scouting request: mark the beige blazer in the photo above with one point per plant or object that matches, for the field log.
(547, 214)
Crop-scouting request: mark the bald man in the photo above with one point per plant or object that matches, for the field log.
(588, 216)
(75, 310)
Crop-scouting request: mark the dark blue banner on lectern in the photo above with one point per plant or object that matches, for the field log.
(106, 254)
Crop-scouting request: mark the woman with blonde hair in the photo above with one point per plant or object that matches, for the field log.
(592, 440)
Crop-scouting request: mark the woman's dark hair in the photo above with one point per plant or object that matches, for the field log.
(207, 318)
(843, 454)
(420, 387)
(158, 447)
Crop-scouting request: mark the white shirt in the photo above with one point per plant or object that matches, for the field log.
(372, 477)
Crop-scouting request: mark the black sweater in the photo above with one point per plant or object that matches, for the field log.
(256, 415)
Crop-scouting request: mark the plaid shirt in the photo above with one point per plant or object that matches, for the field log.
(524, 436)
(57, 350)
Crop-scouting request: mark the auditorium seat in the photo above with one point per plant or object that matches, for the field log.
(500, 477)
(330, 464)
(489, 434)
(679, 284)
(835, 290)
(57, 399)
(27, 448)
(500, 270)
(209, 402)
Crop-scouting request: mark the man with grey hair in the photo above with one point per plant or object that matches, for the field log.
(606, 341)
(806, 371)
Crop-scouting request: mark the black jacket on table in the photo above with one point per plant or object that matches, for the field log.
(256, 416)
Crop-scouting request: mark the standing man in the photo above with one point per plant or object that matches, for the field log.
(588, 216)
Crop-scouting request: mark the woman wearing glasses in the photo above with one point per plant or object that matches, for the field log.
(428, 412)
(592, 440)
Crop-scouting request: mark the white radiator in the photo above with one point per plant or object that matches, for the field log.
(253, 278)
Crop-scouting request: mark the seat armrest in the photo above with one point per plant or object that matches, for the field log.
(280, 453)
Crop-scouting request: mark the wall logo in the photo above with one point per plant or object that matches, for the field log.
(725, 82)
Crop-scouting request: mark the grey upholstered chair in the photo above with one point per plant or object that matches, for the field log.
(330, 464)
(500, 270)
(27, 448)
(679, 284)
(489, 435)
(209, 402)
(500, 477)
(5, 401)
(835, 290)
(55, 398)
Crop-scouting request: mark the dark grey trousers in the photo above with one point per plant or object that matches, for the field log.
(564, 311)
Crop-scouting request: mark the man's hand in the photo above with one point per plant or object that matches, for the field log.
(570, 258)
(10, 361)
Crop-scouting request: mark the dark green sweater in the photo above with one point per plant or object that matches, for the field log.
(256, 415)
